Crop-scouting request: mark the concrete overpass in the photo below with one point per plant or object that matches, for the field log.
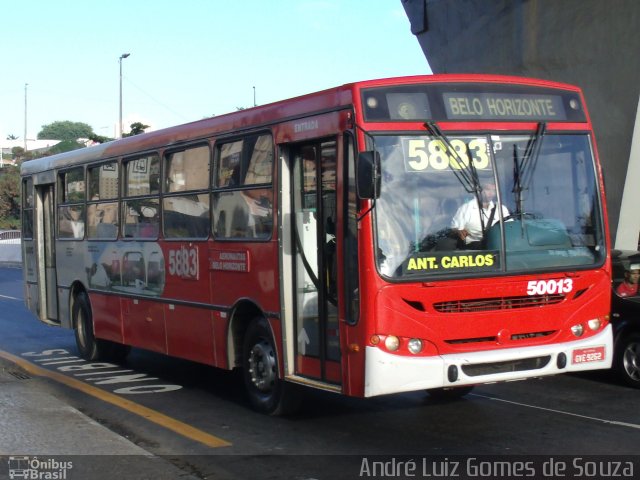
(590, 43)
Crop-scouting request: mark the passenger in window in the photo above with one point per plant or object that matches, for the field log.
(629, 286)
(72, 223)
(77, 223)
(149, 227)
(234, 179)
(471, 223)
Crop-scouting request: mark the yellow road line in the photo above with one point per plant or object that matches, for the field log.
(147, 413)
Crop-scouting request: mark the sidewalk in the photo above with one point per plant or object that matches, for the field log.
(34, 422)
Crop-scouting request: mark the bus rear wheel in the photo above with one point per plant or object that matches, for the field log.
(267, 392)
(89, 347)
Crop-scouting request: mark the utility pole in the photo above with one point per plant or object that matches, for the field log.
(124, 55)
(25, 116)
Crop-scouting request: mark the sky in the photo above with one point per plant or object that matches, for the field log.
(189, 59)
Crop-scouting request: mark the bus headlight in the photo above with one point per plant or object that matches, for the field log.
(577, 330)
(594, 324)
(392, 343)
(415, 345)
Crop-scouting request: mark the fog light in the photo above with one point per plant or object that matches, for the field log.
(392, 343)
(577, 330)
(415, 345)
(594, 324)
(561, 361)
(452, 373)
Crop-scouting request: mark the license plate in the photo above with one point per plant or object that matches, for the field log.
(586, 355)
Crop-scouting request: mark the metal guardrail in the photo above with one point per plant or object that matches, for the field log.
(10, 237)
(10, 249)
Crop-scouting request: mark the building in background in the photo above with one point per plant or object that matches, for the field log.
(6, 147)
(589, 43)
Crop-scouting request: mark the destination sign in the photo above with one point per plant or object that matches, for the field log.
(501, 106)
(452, 261)
(471, 102)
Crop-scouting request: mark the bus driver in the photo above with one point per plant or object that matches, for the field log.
(469, 221)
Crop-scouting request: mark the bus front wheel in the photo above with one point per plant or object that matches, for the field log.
(267, 392)
(627, 359)
(89, 347)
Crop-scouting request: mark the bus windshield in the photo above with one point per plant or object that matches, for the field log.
(503, 203)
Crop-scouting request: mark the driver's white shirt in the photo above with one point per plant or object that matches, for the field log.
(468, 218)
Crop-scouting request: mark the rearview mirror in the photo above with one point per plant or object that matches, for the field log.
(368, 173)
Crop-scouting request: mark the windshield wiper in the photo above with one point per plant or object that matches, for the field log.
(467, 175)
(523, 169)
(531, 154)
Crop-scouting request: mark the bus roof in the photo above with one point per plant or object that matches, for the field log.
(260, 116)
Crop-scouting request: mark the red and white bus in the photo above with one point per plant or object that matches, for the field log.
(312, 241)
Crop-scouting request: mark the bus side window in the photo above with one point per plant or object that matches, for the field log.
(102, 208)
(186, 202)
(141, 214)
(242, 199)
(71, 208)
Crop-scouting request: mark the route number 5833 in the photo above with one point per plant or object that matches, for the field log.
(183, 262)
(422, 154)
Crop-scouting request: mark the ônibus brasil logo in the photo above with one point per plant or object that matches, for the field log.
(34, 468)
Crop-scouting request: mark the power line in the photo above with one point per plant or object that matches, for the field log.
(157, 101)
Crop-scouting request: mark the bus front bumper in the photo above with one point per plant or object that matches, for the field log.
(389, 373)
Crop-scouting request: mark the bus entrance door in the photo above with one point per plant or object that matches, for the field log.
(313, 187)
(46, 252)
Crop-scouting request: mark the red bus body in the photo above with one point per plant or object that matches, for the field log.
(338, 319)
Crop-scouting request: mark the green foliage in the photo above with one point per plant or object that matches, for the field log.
(10, 197)
(136, 129)
(65, 130)
(64, 146)
(99, 138)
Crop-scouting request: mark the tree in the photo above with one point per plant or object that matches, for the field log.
(136, 129)
(12, 137)
(64, 146)
(65, 130)
(10, 197)
(99, 138)
(19, 154)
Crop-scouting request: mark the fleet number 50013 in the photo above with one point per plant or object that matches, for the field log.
(549, 287)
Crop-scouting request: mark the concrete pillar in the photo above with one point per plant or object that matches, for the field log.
(629, 223)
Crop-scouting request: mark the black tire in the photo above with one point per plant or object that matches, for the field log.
(449, 393)
(267, 392)
(627, 359)
(88, 346)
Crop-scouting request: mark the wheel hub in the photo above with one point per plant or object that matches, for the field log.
(262, 366)
(632, 361)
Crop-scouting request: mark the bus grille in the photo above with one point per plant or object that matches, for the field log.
(503, 303)
(535, 363)
(515, 337)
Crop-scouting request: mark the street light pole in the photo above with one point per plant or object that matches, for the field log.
(124, 55)
(25, 116)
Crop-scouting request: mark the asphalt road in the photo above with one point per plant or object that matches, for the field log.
(215, 434)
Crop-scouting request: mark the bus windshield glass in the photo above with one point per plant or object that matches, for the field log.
(502, 203)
